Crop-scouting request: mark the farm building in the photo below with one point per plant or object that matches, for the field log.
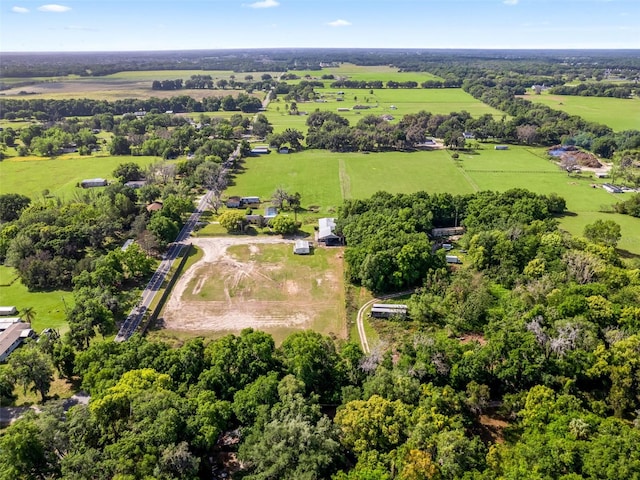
(447, 232)
(301, 247)
(6, 322)
(611, 188)
(234, 202)
(501, 147)
(249, 201)
(270, 212)
(12, 337)
(326, 235)
(4, 311)
(468, 135)
(343, 109)
(452, 259)
(601, 175)
(447, 246)
(387, 310)
(284, 150)
(260, 150)
(93, 182)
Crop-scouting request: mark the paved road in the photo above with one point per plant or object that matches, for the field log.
(132, 322)
(364, 343)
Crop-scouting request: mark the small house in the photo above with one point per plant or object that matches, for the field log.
(5, 311)
(234, 202)
(326, 235)
(452, 259)
(93, 182)
(12, 337)
(249, 201)
(301, 247)
(468, 135)
(501, 147)
(447, 246)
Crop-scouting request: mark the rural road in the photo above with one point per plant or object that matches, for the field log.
(136, 315)
(364, 343)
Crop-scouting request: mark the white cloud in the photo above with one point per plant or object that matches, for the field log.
(510, 2)
(19, 10)
(339, 23)
(264, 4)
(52, 7)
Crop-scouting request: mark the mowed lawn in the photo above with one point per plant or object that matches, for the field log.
(394, 102)
(31, 175)
(618, 113)
(48, 307)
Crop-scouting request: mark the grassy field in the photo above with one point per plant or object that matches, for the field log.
(367, 73)
(31, 175)
(134, 84)
(49, 307)
(382, 101)
(617, 113)
(324, 179)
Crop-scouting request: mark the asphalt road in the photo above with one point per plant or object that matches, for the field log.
(132, 322)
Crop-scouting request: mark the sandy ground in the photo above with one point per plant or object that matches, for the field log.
(235, 312)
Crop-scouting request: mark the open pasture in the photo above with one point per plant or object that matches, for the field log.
(366, 73)
(60, 175)
(394, 102)
(325, 178)
(618, 113)
(117, 86)
(48, 307)
(242, 282)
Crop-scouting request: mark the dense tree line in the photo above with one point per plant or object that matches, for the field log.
(45, 109)
(616, 90)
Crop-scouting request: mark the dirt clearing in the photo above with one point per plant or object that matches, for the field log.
(245, 282)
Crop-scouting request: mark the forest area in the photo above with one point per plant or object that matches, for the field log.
(522, 362)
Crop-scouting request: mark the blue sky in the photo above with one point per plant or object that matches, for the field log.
(109, 25)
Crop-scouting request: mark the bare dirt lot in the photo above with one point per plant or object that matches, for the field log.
(246, 282)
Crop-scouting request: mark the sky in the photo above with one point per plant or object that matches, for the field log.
(130, 25)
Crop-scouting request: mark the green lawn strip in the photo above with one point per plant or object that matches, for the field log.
(60, 175)
(618, 113)
(48, 307)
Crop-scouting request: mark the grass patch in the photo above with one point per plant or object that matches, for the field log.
(61, 175)
(366, 73)
(618, 113)
(49, 307)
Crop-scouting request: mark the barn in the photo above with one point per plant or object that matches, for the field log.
(388, 310)
(93, 182)
(326, 235)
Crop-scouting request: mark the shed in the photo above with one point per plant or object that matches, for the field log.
(93, 182)
(452, 259)
(501, 147)
(611, 188)
(260, 150)
(301, 247)
(234, 202)
(127, 244)
(10, 310)
(388, 310)
(343, 109)
(283, 150)
(601, 174)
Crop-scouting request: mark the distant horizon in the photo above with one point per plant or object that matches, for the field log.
(87, 26)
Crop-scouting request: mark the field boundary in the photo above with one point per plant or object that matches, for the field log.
(345, 180)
